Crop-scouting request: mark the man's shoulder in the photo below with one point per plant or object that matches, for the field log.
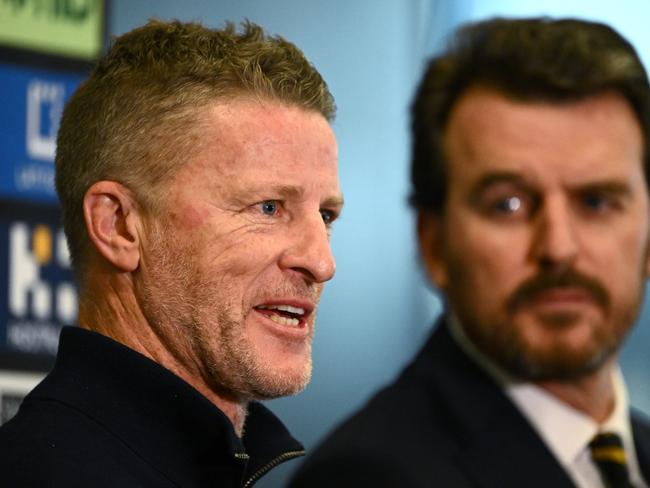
(403, 411)
(641, 433)
(434, 426)
(50, 427)
(50, 444)
(399, 438)
(640, 421)
(423, 403)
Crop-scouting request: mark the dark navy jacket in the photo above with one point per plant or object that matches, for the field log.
(443, 423)
(107, 416)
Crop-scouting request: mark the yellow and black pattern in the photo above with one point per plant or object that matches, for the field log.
(608, 454)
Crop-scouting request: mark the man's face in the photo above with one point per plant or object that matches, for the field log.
(542, 247)
(233, 272)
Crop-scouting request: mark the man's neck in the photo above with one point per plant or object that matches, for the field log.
(592, 394)
(117, 315)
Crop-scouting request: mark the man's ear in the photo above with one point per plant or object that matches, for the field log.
(431, 237)
(113, 224)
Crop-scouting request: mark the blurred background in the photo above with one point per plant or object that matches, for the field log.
(378, 309)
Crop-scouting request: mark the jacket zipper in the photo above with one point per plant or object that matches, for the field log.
(267, 467)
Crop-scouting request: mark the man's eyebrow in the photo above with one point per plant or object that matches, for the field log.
(607, 186)
(287, 190)
(269, 191)
(290, 191)
(500, 177)
(334, 201)
(613, 186)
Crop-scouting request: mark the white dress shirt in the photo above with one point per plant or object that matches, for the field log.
(565, 430)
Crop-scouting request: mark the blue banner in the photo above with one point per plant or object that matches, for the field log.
(37, 291)
(31, 103)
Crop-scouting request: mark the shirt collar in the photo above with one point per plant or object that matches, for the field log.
(565, 430)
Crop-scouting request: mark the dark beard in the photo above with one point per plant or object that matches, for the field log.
(505, 343)
(505, 346)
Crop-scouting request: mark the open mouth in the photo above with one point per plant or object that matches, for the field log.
(282, 314)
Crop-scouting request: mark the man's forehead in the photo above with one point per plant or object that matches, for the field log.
(476, 104)
(252, 146)
(256, 111)
(257, 125)
(488, 127)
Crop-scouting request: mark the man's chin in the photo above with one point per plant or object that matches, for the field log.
(559, 346)
(556, 362)
(248, 375)
(275, 382)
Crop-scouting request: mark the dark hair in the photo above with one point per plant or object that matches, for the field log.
(538, 59)
(136, 119)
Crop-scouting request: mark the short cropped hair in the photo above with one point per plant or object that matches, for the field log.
(529, 60)
(136, 119)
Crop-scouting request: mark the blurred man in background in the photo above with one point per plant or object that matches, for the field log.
(530, 180)
(197, 173)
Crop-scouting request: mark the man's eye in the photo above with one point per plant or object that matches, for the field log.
(328, 216)
(508, 205)
(269, 207)
(596, 202)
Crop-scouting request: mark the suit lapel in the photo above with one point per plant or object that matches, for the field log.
(497, 445)
(641, 434)
(514, 458)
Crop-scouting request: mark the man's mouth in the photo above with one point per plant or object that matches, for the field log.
(570, 289)
(562, 295)
(283, 314)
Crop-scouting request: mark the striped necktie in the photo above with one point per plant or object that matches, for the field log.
(609, 456)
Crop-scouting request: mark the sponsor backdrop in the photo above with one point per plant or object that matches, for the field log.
(45, 50)
(377, 311)
(71, 28)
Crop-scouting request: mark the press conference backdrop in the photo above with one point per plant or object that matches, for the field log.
(46, 48)
(378, 309)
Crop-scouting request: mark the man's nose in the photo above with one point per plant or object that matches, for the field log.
(309, 252)
(555, 237)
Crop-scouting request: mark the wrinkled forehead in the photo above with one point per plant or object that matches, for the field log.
(247, 143)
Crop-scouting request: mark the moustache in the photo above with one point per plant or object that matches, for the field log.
(297, 289)
(543, 282)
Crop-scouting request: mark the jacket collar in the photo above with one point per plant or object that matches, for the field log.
(641, 434)
(159, 416)
(495, 444)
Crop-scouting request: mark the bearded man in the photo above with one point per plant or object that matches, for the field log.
(530, 172)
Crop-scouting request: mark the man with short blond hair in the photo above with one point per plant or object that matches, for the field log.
(197, 173)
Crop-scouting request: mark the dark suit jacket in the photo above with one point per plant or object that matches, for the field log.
(443, 423)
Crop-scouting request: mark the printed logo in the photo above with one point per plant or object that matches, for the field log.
(32, 102)
(40, 299)
(44, 108)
